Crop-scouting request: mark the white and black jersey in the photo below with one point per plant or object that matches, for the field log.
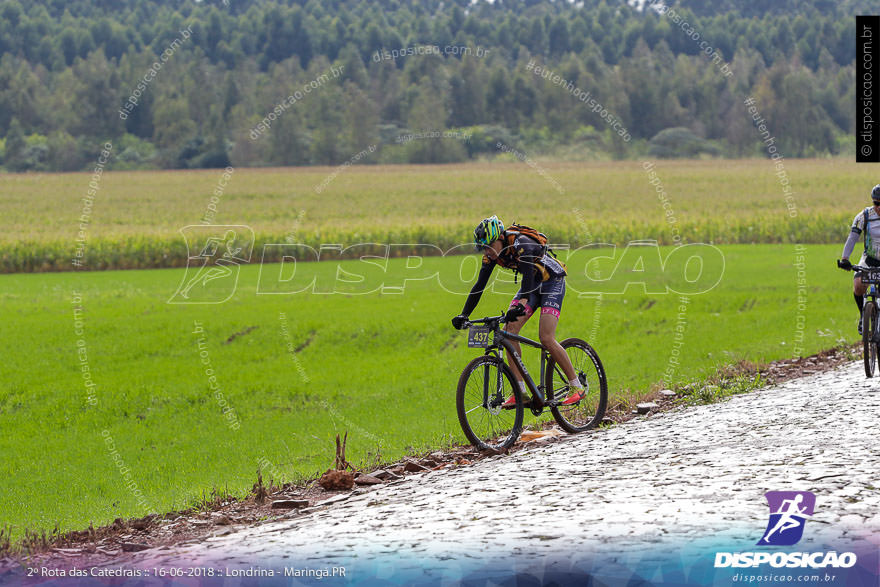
(871, 233)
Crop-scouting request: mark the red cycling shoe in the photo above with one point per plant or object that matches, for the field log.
(511, 403)
(574, 398)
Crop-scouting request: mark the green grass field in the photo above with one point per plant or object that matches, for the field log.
(382, 366)
(135, 217)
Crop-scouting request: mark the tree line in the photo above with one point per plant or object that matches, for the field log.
(203, 75)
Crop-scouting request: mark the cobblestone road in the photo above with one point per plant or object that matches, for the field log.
(685, 476)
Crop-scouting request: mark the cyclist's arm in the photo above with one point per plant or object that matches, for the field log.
(477, 291)
(853, 236)
(850, 244)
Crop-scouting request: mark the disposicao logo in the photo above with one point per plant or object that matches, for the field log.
(788, 515)
(789, 511)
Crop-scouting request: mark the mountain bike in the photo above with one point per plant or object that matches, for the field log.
(870, 328)
(487, 382)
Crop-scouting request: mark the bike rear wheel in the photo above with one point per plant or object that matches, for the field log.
(869, 346)
(588, 412)
(484, 385)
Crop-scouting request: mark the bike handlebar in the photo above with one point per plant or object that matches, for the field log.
(487, 320)
(847, 266)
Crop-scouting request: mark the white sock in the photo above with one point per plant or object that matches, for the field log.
(576, 383)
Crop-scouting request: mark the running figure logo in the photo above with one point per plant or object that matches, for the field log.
(212, 275)
(788, 514)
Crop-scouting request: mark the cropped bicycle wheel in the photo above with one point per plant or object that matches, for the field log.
(588, 412)
(869, 346)
(484, 385)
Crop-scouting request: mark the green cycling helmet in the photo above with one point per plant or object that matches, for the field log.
(487, 231)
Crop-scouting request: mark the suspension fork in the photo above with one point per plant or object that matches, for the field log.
(486, 382)
(871, 294)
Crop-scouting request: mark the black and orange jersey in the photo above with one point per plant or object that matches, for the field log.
(523, 255)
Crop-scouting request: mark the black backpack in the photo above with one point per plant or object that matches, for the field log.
(515, 230)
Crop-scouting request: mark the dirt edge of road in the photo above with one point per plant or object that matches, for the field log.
(221, 514)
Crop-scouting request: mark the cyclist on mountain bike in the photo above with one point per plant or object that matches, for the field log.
(867, 221)
(543, 284)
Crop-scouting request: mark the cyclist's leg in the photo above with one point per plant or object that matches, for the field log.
(547, 334)
(515, 327)
(552, 294)
(860, 289)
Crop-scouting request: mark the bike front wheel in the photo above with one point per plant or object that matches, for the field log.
(869, 346)
(588, 412)
(485, 384)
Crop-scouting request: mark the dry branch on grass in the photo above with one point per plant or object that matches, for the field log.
(339, 478)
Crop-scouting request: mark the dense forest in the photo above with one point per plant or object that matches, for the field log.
(184, 84)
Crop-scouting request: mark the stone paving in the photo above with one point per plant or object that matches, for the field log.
(683, 476)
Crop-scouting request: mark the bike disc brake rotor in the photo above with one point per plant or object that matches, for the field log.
(495, 402)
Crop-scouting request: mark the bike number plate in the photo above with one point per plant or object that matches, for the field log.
(872, 276)
(478, 337)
